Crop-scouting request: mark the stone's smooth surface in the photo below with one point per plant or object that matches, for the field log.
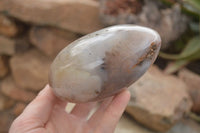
(80, 16)
(100, 64)
(158, 101)
(7, 26)
(7, 46)
(192, 80)
(51, 40)
(10, 89)
(30, 70)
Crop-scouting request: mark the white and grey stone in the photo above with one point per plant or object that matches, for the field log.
(100, 64)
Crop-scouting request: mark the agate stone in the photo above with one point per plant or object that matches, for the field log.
(102, 63)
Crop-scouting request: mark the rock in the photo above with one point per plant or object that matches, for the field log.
(3, 67)
(119, 7)
(5, 121)
(30, 70)
(74, 15)
(158, 101)
(192, 80)
(92, 67)
(11, 46)
(11, 90)
(22, 43)
(7, 46)
(128, 125)
(7, 26)
(185, 126)
(5, 102)
(18, 109)
(169, 22)
(51, 40)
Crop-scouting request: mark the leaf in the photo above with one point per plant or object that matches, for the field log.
(191, 50)
(192, 47)
(167, 2)
(194, 26)
(169, 56)
(194, 116)
(175, 66)
(194, 3)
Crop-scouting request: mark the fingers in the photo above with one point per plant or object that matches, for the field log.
(60, 108)
(82, 110)
(40, 108)
(112, 113)
(97, 116)
(115, 110)
(59, 115)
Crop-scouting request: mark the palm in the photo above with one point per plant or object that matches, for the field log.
(47, 114)
(70, 123)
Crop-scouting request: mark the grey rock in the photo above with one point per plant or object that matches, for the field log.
(158, 101)
(128, 125)
(169, 22)
(185, 126)
(192, 80)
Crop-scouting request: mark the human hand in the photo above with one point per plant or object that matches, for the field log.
(46, 114)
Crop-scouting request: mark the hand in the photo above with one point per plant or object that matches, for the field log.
(46, 114)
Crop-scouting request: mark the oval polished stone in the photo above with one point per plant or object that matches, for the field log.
(102, 63)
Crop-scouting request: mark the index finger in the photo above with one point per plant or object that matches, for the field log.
(114, 111)
(41, 107)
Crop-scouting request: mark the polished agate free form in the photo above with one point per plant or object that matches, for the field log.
(102, 63)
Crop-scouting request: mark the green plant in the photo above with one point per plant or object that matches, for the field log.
(191, 51)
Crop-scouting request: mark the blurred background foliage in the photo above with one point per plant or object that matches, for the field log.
(187, 48)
